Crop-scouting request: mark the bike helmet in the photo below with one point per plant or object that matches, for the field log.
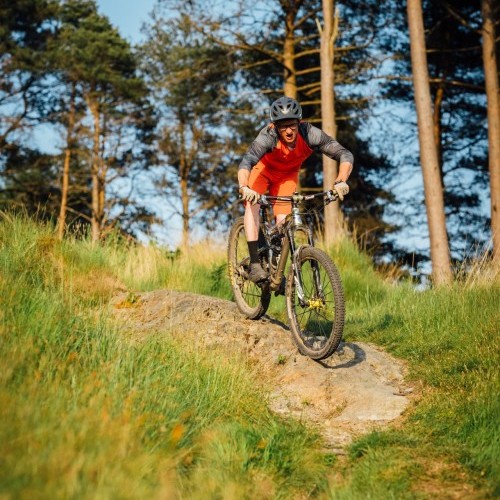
(285, 108)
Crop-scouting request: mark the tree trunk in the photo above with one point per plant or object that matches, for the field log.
(185, 213)
(438, 101)
(61, 223)
(94, 172)
(184, 175)
(440, 254)
(333, 214)
(492, 94)
(290, 77)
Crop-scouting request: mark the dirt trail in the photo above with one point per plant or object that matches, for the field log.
(358, 389)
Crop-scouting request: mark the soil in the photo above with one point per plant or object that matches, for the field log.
(358, 389)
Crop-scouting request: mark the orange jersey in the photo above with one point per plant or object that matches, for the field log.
(283, 159)
(268, 147)
(274, 168)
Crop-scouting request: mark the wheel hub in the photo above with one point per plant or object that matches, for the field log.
(315, 304)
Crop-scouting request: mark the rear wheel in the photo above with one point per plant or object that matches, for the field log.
(252, 300)
(315, 304)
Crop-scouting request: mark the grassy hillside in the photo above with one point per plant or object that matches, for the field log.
(84, 413)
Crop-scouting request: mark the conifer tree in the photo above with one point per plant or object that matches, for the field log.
(26, 26)
(455, 65)
(93, 56)
(26, 174)
(492, 93)
(191, 76)
(441, 267)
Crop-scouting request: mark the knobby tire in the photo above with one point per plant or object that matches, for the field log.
(251, 299)
(318, 323)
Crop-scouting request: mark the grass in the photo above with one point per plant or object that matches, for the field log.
(85, 414)
(449, 442)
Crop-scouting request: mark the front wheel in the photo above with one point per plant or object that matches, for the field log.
(315, 304)
(251, 299)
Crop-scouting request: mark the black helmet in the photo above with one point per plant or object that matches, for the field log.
(285, 108)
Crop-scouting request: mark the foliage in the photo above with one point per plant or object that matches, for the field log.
(26, 27)
(211, 68)
(82, 62)
(191, 76)
(261, 63)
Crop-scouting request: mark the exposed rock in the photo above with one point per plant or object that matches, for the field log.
(358, 389)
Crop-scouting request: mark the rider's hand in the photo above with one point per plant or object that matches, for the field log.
(249, 195)
(341, 188)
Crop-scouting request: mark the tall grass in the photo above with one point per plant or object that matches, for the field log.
(83, 413)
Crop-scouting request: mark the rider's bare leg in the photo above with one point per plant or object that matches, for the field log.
(252, 222)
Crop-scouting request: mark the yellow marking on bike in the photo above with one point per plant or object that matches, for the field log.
(315, 304)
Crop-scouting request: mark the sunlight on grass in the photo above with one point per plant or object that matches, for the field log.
(84, 413)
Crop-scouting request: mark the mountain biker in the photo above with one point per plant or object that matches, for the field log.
(272, 163)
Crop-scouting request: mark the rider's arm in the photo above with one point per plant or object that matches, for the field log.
(264, 143)
(345, 169)
(319, 141)
(243, 176)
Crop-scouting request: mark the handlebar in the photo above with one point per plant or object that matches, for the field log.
(297, 197)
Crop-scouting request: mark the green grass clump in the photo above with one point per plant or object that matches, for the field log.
(449, 338)
(85, 414)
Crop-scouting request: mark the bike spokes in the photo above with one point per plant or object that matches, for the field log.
(251, 299)
(315, 312)
(316, 305)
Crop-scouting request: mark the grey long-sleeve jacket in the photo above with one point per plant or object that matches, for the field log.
(315, 138)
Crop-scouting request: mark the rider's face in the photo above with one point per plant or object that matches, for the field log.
(287, 130)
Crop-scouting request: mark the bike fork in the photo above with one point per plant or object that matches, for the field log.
(317, 280)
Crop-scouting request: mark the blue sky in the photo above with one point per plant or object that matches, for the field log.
(127, 15)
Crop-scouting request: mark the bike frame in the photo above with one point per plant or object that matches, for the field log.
(295, 221)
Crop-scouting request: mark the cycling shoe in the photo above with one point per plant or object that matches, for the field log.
(257, 274)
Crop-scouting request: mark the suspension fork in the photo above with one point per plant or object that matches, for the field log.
(297, 272)
(314, 264)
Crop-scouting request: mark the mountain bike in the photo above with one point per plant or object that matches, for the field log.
(312, 287)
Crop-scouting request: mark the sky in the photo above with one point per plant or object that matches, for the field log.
(127, 15)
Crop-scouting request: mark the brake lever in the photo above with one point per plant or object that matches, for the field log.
(331, 196)
(263, 200)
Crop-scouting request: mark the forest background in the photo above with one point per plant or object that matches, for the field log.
(97, 132)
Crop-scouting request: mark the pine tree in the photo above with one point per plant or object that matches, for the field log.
(263, 60)
(92, 56)
(492, 93)
(191, 76)
(26, 174)
(453, 45)
(26, 27)
(441, 266)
